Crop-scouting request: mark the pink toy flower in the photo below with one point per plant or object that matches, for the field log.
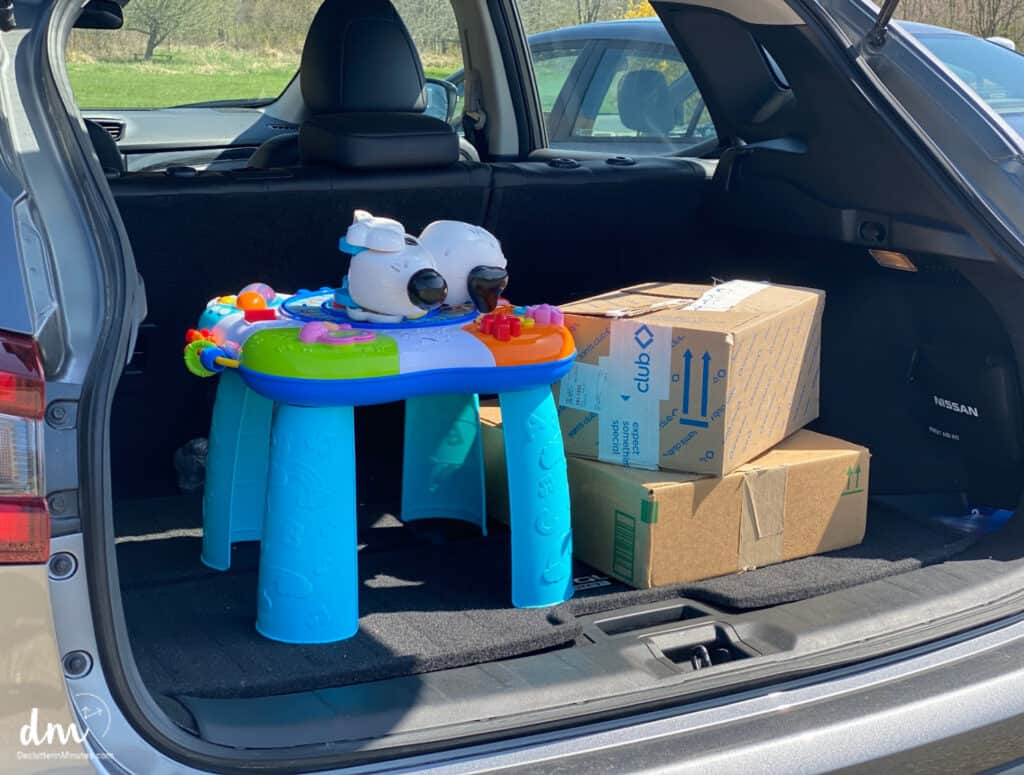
(312, 332)
(546, 315)
(319, 332)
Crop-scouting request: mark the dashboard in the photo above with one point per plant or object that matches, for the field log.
(214, 138)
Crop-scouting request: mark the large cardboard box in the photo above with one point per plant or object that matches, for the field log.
(689, 377)
(648, 528)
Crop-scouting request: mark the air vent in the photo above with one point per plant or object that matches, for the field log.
(112, 127)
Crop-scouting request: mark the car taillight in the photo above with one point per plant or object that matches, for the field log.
(24, 518)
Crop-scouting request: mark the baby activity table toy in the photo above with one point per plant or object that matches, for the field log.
(281, 464)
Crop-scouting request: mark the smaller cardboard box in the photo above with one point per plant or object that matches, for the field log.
(690, 378)
(805, 496)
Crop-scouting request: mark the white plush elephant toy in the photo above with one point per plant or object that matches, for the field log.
(470, 260)
(392, 277)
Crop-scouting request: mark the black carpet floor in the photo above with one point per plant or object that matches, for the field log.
(434, 595)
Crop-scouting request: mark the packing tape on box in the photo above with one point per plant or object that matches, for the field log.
(625, 389)
(724, 297)
(762, 520)
(639, 366)
(583, 387)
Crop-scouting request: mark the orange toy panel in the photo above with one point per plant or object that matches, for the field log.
(533, 344)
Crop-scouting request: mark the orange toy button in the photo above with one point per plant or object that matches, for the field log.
(251, 300)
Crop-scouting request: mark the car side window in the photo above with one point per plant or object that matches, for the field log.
(552, 67)
(626, 91)
(642, 101)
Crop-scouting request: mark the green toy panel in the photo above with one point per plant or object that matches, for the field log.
(280, 352)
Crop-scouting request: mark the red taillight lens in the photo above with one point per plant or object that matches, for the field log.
(24, 518)
(24, 530)
(21, 377)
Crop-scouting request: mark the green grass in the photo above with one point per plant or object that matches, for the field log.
(178, 76)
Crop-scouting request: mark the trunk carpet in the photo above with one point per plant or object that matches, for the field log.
(434, 596)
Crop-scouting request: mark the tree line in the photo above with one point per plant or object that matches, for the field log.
(272, 25)
(984, 18)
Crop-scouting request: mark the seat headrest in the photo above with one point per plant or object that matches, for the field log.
(106, 149)
(360, 57)
(378, 141)
(644, 102)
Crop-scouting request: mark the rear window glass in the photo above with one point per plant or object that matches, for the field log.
(187, 52)
(995, 73)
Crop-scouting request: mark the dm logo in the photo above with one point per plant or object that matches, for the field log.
(94, 712)
(643, 337)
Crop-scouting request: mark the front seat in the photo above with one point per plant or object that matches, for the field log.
(106, 149)
(362, 82)
(645, 104)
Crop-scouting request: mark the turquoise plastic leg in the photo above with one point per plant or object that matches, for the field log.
(443, 469)
(309, 582)
(235, 494)
(539, 499)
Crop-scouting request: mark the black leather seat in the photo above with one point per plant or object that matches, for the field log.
(279, 151)
(570, 231)
(363, 83)
(106, 149)
(645, 103)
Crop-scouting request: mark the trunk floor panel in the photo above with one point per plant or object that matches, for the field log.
(434, 595)
(421, 609)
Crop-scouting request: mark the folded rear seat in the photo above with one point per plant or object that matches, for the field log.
(573, 229)
(199, 237)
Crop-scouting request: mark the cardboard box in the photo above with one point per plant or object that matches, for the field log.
(805, 496)
(689, 377)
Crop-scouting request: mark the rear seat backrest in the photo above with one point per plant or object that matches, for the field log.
(212, 234)
(193, 239)
(567, 233)
(570, 232)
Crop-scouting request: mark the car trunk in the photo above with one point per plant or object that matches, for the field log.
(433, 596)
(438, 639)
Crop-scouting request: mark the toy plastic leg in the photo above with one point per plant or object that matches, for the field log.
(309, 584)
(235, 494)
(539, 499)
(443, 469)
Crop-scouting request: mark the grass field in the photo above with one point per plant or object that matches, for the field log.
(180, 76)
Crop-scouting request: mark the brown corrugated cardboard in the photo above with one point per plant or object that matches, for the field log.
(689, 377)
(805, 496)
